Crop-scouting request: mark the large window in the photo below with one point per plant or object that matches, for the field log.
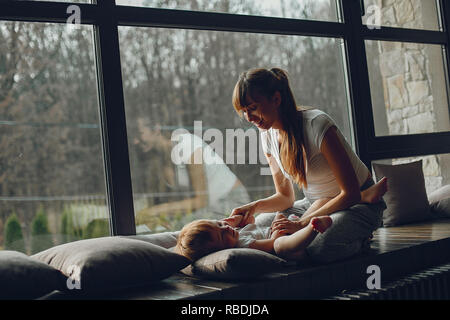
(72, 158)
(184, 79)
(52, 183)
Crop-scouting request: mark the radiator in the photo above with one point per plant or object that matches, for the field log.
(429, 284)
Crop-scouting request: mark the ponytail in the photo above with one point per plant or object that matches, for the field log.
(281, 76)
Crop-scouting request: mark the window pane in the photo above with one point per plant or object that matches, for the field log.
(408, 88)
(52, 183)
(299, 9)
(409, 14)
(184, 79)
(436, 169)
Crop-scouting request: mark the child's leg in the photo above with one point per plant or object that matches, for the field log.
(375, 192)
(292, 247)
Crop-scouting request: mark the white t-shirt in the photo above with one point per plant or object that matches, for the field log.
(250, 233)
(319, 176)
(255, 231)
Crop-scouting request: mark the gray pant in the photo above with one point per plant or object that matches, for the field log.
(349, 233)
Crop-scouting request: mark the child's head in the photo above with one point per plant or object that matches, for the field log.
(201, 237)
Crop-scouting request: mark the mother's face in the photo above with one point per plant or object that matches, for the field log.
(263, 111)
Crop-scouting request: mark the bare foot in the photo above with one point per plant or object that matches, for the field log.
(321, 224)
(375, 192)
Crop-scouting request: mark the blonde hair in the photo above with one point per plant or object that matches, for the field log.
(266, 83)
(196, 239)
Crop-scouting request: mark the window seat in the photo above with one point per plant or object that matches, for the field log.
(397, 251)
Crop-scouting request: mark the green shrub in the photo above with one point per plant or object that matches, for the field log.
(41, 238)
(64, 225)
(13, 234)
(96, 228)
(68, 231)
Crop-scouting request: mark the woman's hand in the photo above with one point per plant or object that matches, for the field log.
(286, 226)
(278, 233)
(233, 221)
(247, 211)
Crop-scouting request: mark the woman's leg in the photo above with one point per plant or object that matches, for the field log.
(292, 247)
(349, 232)
(350, 229)
(375, 192)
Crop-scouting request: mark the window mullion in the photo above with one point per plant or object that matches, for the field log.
(114, 131)
(359, 87)
(168, 18)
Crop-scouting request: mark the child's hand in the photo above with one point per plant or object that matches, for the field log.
(246, 211)
(233, 221)
(237, 221)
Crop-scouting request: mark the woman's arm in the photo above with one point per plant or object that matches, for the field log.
(316, 205)
(282, 199)
(284, 196)
(339, 162)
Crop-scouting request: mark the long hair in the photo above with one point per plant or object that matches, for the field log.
(267, 82)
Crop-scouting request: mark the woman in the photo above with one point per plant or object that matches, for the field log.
(305, 147)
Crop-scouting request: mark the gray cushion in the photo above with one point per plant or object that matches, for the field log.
(22, 277)
(110, 263)
(229, 264)
(235, 264)
(406, 198)
(440, 202)
(164, 239)
(238, 263)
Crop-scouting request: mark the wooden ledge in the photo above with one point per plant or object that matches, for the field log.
(398, 251)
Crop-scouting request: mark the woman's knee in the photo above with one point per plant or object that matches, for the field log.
(326, 254)
(326, 251)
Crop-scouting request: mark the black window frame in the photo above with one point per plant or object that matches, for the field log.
(106, 17)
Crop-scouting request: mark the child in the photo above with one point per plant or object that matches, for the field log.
(202, 237)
